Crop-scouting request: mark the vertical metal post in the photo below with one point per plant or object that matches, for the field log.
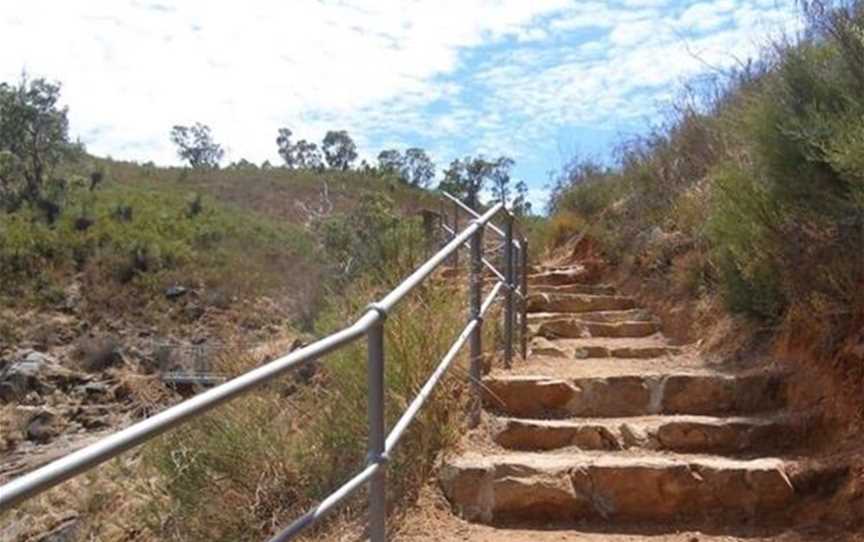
(455, 233)
(428, 231)
(475, 295)
(508, 291)
(524, 306)
(443, 218)
(377, 432)
(517, 285)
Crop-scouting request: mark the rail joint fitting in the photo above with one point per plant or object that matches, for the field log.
(382, 312)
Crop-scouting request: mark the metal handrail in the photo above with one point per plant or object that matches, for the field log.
(370, 324)
(515, 258)
(486, 263)
(475, 214)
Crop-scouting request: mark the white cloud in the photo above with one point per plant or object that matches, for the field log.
(462, 76)
(132, 69)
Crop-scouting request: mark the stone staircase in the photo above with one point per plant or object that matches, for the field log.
(608, 423)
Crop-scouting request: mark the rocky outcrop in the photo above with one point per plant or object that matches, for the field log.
(35, 372)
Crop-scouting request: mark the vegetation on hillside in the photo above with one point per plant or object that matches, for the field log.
(282, 450)
(123, 254)
(754, 189)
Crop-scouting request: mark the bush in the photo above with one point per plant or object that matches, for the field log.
(762, 173)
(369, 238)
(564, 227)
(260, 461)
(147, 248)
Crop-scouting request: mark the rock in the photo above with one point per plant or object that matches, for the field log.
(585, 289)
(22, 377)
(193, 312)
(633, 395)
(518, 434)
(615, 487)
(175, 292)
(561, 277)
(42, 427)
(65, 532)
(528, 396)
(577, 328)
(98, 353)
(712, 394)
(33, 374)
(91, 391)
(543, 347)
(575, 303)
(71, 298)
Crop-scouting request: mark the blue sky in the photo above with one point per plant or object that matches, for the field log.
(537, 80)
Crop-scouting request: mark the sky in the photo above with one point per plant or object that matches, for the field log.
(536, 80)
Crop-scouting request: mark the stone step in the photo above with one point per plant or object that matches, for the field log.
(677, 433)
(584, 289)
(705, 393)
(577, 303)
(559, 277)
(631, 315)
(535, 269)
(576, 328)
(621, 488)
(598, 348)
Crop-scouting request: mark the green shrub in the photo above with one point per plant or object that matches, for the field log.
(261, 461)
(762, 173)
(369, 238)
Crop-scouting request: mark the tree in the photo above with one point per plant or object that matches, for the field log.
(520, 204)
(499, 176)
(34, 139)
(308, 156)
(414, 167)
(285, 148)
(242, 164)
(300, 155)
(576, 172)
(195, 145)
(391, 161)
(339, 150)
(359, 240)
(466, 178)
(419, 168)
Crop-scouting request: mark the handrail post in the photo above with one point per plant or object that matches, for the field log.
(475, 295)
(517, 285)
(377, 432)
(455, 233)
(508, 291)
(442, 223)
(524, 305)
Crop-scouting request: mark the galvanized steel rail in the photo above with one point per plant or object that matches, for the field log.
(371, 325)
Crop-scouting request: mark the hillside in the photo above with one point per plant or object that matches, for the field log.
(170, 269)
(749, 200)
(225, 235)
(691, 341)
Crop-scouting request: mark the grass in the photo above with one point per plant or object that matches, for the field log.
(261, 461)
(161, 244)
(257, 250)
(230, 236)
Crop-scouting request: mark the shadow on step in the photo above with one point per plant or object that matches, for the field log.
(733, 530)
